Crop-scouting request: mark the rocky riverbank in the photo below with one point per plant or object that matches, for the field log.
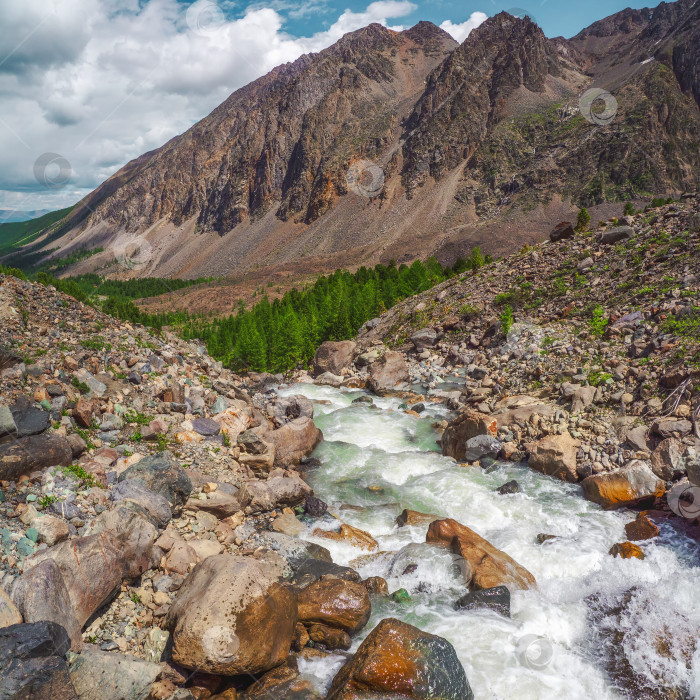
(580, 355)
(149, 502)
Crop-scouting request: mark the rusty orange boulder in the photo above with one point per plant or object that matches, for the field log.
(484, 565)
(634, 483)
(398, 660)
(336, 603)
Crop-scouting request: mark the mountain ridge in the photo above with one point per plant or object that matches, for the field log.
(452, 140)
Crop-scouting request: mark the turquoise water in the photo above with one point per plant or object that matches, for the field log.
(376, 461)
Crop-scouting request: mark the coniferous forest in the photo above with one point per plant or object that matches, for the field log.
(272, 336)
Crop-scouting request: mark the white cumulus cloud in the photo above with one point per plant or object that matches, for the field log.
(462, 30)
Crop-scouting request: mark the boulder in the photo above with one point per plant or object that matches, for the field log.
(32, 663)
(637, 438)
(615, 235)
(333, 356)
(154, 504)
(482, 446)
(50, 529)
(641, 529)
(561, 231)
(281, 682)
(555, 455)
(508, 488)
(497, 599)
(413, 518)
(353, 535)
(221, 504)
(41, 594)
(399, 660)
(335, 603)
(231, 616)
(628, 486)
(9, 614)
(92, 568)
(424, 338)
(8, 428)
(136, 534)
(329, 379)
(486, 566)
(330, 637)
(286, 489)
(162, 474)
(671, 427)
(667, 458)
(294, 441)
(29, 419)
(180, 557)
(288, 408)
(33, 453)
(101, 675)
(387, 372)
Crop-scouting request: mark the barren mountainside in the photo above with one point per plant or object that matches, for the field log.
(404, 144)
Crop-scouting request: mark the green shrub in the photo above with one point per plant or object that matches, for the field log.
(506, 319)
(583, 220)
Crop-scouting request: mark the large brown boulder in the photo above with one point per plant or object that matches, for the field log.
(41, 594)
(336, 603)
(34, 453)
(555, 455)
(485, 566)
(387, 372)
(333, 356)
(634, 483)
(400, 661)
(232, 616)
(92, 568)
(294, 441)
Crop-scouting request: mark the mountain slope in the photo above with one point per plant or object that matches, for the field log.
(402, 145)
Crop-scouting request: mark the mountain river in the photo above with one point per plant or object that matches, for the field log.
(593, 621)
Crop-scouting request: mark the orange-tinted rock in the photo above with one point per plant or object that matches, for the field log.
(555, 455)
(301, 637)
(485, 566)
(376, 585)
(626, 550)
(83, 412)
(633, 483)
(413, 517)
(330, 637)
(400, 661)
(352, 535)
(336, 603)
(641, 529)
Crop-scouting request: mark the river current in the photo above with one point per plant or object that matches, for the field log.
(592, 615)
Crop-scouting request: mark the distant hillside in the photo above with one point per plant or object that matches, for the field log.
(22, 232)
(10, 216)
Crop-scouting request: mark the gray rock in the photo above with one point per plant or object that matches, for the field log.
(424, 338)
(388, 372)
(206, 427)
(29, 419)
(667, 458)
(333, 356)
(288, 408)
(562, 231)
(615, 235)
(637, 438)
(671, 427)
(111, 422)
(32, 663)
(482, 446)
(161, 473)
(155, 644)
(154, 504)
(8, 428)
(496, 598)
(101, 675)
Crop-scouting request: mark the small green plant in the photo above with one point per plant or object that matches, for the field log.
(83, 476)
(598, 322)
(227, 439)
(137, 437)
(583, 220)
(629, 209)
(137, 417)
(46, 500)
(598, 378)
(506, 319)
(82, 387)
(162, 442)
(135, 598)
(96, 343)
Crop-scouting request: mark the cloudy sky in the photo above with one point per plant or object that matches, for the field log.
(87, 85)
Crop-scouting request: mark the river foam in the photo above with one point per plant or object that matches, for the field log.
(591, 620)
